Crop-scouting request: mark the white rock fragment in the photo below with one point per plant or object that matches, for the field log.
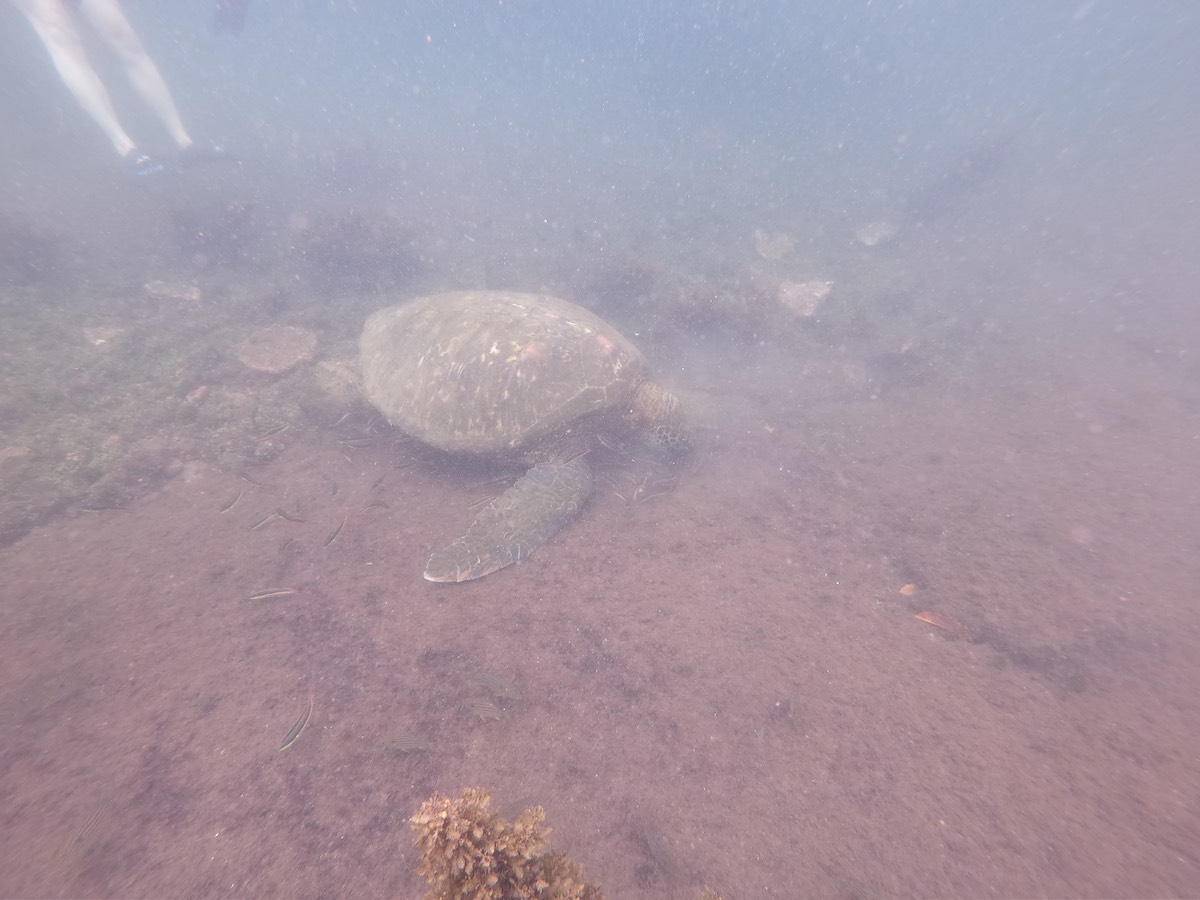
(803, 297)
(277, 348)
(99, 335)
(876, 233)
(773, 245)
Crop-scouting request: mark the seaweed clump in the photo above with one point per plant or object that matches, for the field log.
(469, 852)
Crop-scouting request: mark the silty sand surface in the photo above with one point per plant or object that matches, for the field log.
(723, 685)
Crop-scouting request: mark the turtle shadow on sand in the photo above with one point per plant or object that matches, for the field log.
(515, 377)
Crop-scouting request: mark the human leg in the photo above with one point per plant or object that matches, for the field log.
(114, 29)
(54, 25)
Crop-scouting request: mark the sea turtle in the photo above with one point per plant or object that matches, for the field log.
(525, 376)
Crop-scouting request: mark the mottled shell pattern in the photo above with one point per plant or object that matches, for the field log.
(495, 371)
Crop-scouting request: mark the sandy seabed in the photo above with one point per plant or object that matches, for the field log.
(723, 685)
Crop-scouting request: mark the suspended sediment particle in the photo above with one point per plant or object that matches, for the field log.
(172, 290)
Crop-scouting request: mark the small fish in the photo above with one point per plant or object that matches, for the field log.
(333, 534)
(246, 477)
(261, 522)
(39, 692)
(512, 809)
(294, 732)
(70, 675)
(375, 504)
(658, 849)
(283, 515)
(356, 443)
(954, 628)
(486, 710)
(647, 490)
(266, 435)
(268, 593)
(378, 481)
(344, 417)
(71, 851)
(404, 742)
(232, 502)
(604, 442)
(499, 686)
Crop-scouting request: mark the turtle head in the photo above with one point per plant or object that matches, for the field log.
(657, 412)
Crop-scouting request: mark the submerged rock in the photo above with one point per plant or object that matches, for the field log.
(277, 349)
(803, 297)
(876, 233)
(773, 245)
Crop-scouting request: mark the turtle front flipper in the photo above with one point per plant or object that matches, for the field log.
(507, 530)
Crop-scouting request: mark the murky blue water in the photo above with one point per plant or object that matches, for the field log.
(923, 274)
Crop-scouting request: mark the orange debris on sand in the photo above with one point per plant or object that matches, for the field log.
(908, 590)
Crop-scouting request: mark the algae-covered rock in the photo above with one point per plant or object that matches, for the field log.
(470, 853)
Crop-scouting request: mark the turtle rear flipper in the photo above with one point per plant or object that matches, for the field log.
(507, 530)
